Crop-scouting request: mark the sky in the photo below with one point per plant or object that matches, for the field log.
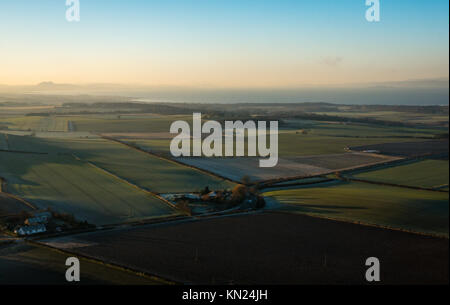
(223, 44)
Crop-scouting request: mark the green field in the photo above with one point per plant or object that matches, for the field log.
(126, 123)
(27, 144)
(70, 186)
(416, 210)
(58, 180)
(427, 174)
(152, 145)
(152, 173)
(296, 137)
(3, 141)
(366, 130)
(29, 264)
(394, 116)
(292, 144)
(102, 123)
(36, 123)
(140, 168)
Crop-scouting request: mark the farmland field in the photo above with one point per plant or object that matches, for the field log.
(72, 164)
(153, 123)
(394, 116)
(319, 138)
(394, 207)
(427, 174)
(236, 168)
(125, 123)
(290, 144)
(224, 143)
(70, 186)
(341, 161)
(43, 142)
(140, 168)
(3, 142)
(93, 123)
(34, 265)
(152, 145)
(26, 144)
(268, 248)
(409, 149)
(150, 172)
(361, 130)
(37, 123)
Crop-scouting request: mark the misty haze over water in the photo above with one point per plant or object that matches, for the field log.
(362, 96)
(372, 96)
(413, 92)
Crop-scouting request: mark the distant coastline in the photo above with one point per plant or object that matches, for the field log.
(343, 96)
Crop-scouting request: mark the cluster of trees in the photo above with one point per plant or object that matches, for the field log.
(245, 194)
(9, 223)
(69, 221)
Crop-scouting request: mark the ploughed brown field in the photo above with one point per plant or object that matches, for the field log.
(267, 248)
(299, 166)
(409, 149)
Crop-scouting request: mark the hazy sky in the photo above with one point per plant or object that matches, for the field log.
(229, 43)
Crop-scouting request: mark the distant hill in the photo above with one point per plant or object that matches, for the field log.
(49, 85)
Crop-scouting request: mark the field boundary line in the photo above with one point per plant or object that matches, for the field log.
(169, 159)
(298, 184)
(24, 152)
(123, 180)
(98, 261)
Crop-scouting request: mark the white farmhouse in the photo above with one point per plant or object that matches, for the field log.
(30, 230)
